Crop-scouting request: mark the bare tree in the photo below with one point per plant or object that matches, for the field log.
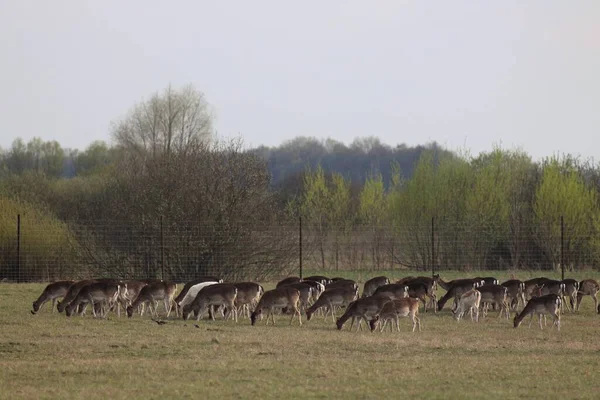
(173, 121)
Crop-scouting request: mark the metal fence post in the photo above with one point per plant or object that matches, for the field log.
(162, 250)
(300, 244)
(432, 247)
(562, 247)
(18, 272)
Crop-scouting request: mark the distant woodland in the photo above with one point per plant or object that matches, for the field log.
(233, 210)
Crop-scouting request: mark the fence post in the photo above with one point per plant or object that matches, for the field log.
(300, 244)
(18, 274)
(162, 250)
(562, 247)
(432, 247)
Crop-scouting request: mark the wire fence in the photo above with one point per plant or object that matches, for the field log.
(182, 250)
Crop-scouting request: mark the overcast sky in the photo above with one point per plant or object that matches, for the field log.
(462, 73)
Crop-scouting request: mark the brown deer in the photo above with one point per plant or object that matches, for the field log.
(495, 295)
(341, 296)
(220, 294)
(457, 289)
(323, 280)
(392, 310)
(288, 280)
(248, 295)
(548, 304)
(152, 292)
(515, 293)
(280, 298)
(393, 291)
(588, 287)
(102, 293)
(364, 308)
(52, 292)
(570, 291)
(194, 282)
(372, 284)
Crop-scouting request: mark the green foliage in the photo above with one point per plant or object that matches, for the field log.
(372, 201)
(562, 192)
(48, 250)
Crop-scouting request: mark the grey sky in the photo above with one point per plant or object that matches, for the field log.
(458, 72)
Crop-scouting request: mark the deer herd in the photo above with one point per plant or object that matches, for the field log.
(381, 302)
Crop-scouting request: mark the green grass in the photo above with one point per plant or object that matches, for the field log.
(51, 356)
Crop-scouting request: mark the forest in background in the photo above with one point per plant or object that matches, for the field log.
(168, 197)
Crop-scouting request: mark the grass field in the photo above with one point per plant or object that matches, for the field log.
(51, 356)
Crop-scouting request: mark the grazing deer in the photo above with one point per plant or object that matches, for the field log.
(372, 284)
(248, 295)
(193, 292)
(194, 282)
(430, 283)
(496, 295)
(52, 292)
(418, 290)
(393, 291)
(323, 280)
(447, 285)
(72, 292)
(364, 308)
(126, 298)
(570, 290)
(488, 280)
(588, 287)
(469, 302)
(392, 310)
(548, 304)
(288, 280)
(341, 296)
(95, 293)
(220, 294)
(306, 294)
(342, 283)
(531, 286)
(152, 292)
(551, 286)
(457, 289)
(515, 293)
(283, 297)
(318, 288)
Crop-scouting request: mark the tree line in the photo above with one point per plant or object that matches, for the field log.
(227, 209)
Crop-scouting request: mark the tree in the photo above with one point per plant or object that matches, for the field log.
(562, 192)
(174, 121)
(373, 212)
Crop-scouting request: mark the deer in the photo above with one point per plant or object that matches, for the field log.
(288, 280)
(283, 297)
(193, 292)
(588, 287)
(152, 292)
(515, 293)
(392, 310)
(530, 285)
(306, 294)
(342, 283)
(548, 304)
(469, 302)
(570, 290)
(318, 288)
(323, 280)
(494, 294)
(364, 308)
(447, 285)
(126, 298)
(457, 289)
(94, 293)
(341, 296)
(72, 292)
(52, 292)
(194, 282)
(220, 294)
(418, 290)
(248, 294)
(393, 291)
(372, 284)
(431, 285)
(488, 280)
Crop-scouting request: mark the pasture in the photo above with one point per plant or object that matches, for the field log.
(52, 356)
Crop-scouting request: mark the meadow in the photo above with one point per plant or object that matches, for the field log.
(52, 356)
